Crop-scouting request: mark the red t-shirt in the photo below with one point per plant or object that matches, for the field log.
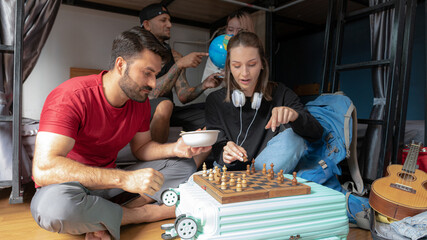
(78, 109)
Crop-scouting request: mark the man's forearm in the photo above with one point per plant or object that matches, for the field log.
(154, 151)
(165, 83)
(188, 94)
(62, 169)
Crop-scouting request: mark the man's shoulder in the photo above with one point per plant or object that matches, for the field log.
(81, 83)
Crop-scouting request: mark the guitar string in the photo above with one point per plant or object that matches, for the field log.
(409, 180)
(403, 175)
(408, 166)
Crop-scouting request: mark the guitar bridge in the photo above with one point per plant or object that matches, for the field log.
(403, 187)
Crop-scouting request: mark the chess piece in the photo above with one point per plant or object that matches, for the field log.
(294, 180)
(239, 185)
(264, 170)
(279, 178)
(271, 169)
(248, 170)
(270, 176)
(232, 180)
(205, 173)
(217, 180)
(217, 174)
(244, 182)
(282, 178)
(224, 169)
(224, 177)
(211, 175)
(223, 185)
(253, 165)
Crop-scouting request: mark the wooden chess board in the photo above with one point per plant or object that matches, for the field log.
(258, 187)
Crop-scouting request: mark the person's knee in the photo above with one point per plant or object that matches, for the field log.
(284, 150)
(164, 109)
(184, 168)
(54, 205)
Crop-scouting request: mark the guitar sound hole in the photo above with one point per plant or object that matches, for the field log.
(407, 177)
(425, 185)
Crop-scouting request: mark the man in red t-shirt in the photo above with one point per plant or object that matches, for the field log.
(84, 123)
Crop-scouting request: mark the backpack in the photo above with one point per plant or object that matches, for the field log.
(319, 163)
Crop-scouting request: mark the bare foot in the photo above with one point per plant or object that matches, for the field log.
(100, 235)
(147, 213)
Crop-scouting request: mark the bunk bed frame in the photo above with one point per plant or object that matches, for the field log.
(16, 195)
(16, 119)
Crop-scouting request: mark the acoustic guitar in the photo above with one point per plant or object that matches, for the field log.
(403, 192)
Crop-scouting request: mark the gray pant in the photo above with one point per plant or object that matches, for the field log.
(71, 208)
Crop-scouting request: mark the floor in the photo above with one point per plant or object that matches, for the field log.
(16, 222)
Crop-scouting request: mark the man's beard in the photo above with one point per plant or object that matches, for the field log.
(132, 90)
(164, 37)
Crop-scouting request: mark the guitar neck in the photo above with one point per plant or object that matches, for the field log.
(411, 160)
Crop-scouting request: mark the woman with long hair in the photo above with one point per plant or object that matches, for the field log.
(257, 118)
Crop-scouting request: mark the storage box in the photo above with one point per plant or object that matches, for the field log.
(318, 215)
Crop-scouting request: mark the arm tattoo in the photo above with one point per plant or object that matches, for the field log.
(165, 83)
(184, 91)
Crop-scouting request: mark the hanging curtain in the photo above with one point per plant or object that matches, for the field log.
(381, 28)
(39, 17)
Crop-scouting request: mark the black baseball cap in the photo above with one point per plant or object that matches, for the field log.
(151, 11)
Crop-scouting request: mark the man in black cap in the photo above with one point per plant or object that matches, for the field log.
(156, 19)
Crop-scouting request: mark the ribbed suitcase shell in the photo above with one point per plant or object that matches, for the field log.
(319, 215)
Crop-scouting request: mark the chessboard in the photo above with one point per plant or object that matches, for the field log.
(258, 186)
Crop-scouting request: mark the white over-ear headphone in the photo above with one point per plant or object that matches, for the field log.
(239, 100)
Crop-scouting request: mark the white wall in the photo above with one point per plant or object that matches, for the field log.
(82, 38)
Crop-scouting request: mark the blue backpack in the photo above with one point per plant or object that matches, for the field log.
(319, 163)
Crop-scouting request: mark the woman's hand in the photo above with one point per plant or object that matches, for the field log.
(233, 152)
(281, 115)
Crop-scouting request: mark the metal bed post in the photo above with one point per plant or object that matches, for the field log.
(269, 43)
(17, 193)
(405, 77)
(392, 84)
(337, 50)
(327, 48)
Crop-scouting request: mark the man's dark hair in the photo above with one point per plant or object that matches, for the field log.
(132, 42)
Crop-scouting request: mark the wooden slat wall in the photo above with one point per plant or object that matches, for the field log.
(76, 72)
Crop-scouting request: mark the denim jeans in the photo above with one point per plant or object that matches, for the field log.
(283, 150)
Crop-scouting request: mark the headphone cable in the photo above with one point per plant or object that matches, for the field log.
(253, 119)
(241, 126)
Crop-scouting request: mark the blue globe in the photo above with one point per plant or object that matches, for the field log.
(218, 50)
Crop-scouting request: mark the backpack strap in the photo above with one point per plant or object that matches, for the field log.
(347, 118)
(351, 149)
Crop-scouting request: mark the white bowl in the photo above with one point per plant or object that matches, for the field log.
(202, 138)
